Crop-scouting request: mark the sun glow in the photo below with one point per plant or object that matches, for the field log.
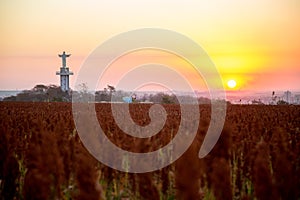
(231, 84)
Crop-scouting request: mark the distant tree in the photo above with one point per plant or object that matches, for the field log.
(105, 94)
(162, 98)
(10, 98)
(168, 99)
(82, 88)
(83, 94)
(101, 95)
(203, 100)
(282, 102)
(41, 93)
(111, 89)
(54, 93)
(40, 88)
(156, 98)
(257, 102)
(145, 98)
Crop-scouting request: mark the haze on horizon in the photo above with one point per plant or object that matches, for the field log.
(255, 43)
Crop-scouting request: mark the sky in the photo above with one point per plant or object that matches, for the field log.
(256, 43)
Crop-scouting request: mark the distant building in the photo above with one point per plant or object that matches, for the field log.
(297, 99)
(287, 97)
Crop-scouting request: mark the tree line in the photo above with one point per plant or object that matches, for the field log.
(53, 93)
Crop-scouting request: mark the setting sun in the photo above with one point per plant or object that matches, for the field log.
(231, 84)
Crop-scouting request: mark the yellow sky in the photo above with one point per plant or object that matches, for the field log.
(255, 42)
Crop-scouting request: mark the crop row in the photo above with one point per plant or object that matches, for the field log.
(256, 157)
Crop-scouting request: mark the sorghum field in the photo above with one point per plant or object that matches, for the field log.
(256, 157)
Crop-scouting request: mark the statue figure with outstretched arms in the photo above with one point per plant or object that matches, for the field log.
(63, 57)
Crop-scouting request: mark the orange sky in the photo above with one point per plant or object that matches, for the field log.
(132, 60)
(256, 42)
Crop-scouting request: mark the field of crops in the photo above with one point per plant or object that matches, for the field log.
(256, 157)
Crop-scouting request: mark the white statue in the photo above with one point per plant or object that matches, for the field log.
(63, 57)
